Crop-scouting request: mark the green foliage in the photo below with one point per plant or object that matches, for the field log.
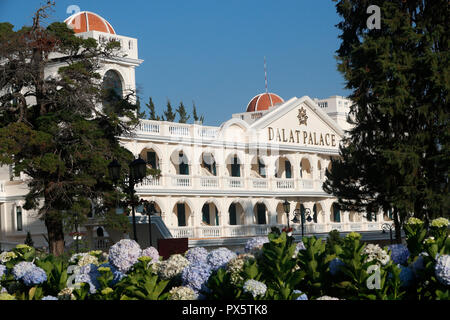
(183, 116)
(313, 263)
(334, 239)
(61, 139)
(396, 155)
(142, 283)
(278, 265)
(151, 107)
(169, 114)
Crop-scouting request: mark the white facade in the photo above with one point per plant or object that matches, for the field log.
(220, 182)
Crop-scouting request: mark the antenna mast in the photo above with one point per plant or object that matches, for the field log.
(267, 86)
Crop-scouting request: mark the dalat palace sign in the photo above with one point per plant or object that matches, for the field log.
(302, 136)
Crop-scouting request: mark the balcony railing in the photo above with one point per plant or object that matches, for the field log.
(226, 183)
(164, 128)
(263, 230)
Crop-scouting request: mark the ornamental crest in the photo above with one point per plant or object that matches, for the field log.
(302, 117)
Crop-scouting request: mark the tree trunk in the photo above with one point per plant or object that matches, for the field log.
(398, 230)
(55, 234)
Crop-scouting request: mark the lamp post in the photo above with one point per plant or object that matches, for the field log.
(149, 210)
(306, 216)
(388, 227)
(287, 209)
(138, 170)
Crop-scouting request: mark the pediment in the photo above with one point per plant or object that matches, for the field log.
(299, 122)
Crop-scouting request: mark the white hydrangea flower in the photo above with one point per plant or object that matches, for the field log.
(439, 223)
(236, 266)
(182, 293)
(7, 256)
(87, 259)
(327, 298)
(374, 252)
(256, 288)
(172, 267)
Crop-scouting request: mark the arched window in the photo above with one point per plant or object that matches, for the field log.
(112, 87)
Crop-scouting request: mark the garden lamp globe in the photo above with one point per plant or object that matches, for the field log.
(138, 169)
(114, 170)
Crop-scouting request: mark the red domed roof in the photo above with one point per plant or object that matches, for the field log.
(88, 21)
(264, 101)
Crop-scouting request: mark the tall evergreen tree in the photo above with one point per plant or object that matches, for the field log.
(183, 117)
(169, 114)
(397, 154)
(195, 115)
(140, 114)
(151, 107)
(51, 128)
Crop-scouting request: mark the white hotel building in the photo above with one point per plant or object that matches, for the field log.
(218, 185)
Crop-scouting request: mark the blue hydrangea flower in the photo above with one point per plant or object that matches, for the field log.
(124, 254)
(151, 252)
(49, 298)
(196, 255)
(89, 274)
(29, 273)
(254, 244)
(442, 269)
(2, 270)
(399, 253)
(302, 296)
(406, 276)
(335, 266)
(116, 273)
(219, 258)
(418, 264)
(196, 276)
(255, 288)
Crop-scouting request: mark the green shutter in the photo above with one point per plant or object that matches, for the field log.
(232, 212)
(261, 210)
(181, 215)
(205, 213)
(287, 165)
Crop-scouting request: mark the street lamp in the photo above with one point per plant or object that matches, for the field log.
(149, 209)
(138, 168)
(306, 216)
(388, 227)
(287, 209)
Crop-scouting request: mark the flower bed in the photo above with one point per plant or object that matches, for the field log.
(272, 268)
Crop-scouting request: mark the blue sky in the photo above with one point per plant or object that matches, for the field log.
(212, 52)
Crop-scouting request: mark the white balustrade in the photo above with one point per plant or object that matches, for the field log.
(210, 231)
(209, 182)
(306, 184)
(177, 130)
(148, 126)
(259, 183)
(149, 182)
(235, 182)
(181, 181)
(182, 232)
(206, 132)
(285, 183)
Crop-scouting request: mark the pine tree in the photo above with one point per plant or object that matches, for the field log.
(195, 115)
(151, 107)
(28, 240)
(169, 114)
(140, 114)
(397, 154)
(60, 139)
(182, 113)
